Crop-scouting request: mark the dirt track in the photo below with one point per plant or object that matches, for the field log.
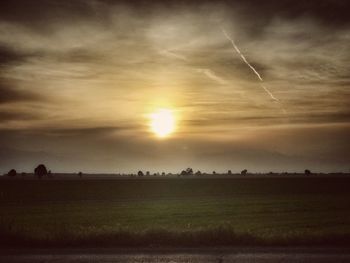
(285, 255)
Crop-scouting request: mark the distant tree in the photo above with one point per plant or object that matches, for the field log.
(80, 174)
(40, 171)
(140, 173)
(198, 173)
(244, 172)
(163, 174)
(12, 173)
(189, 171)
(49, 174)
(307, 172)
(214, 172)
(183, 173)
(229, 172)
(148, 173)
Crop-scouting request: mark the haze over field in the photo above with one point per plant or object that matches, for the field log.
(89, 85)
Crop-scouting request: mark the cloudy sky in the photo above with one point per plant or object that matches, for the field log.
(79, 80)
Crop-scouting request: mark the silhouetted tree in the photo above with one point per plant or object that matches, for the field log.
(229, 172)
(307, 172)
(140, 173)
(12, 173)
(244, 172)
(40, 171)
(214, 172)
(148, 173)
(198, 173)
(80, 174)
(189, 171)
(163, 174)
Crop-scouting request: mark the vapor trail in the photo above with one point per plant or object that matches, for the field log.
(211, 75)
(206, 71)
(249, 65)
(269, 92)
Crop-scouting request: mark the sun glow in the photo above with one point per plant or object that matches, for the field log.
(162, 122)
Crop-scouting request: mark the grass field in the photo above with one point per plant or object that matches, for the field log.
(175, 211)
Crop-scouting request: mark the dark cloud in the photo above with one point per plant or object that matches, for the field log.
(10, 56)
(37, 15)
(19, 115)
(326, 11)
(331, 12)
(9, 94)
(96, 132)
(9, 88)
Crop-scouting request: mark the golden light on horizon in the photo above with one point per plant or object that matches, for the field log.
(162, 122)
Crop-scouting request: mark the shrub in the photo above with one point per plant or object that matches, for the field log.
(12, 173)
(40, 171)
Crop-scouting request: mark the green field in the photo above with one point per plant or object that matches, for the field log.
(175, 211)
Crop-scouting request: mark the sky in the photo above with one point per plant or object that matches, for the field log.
(79, 81)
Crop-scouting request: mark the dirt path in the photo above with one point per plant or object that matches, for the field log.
(242, 255)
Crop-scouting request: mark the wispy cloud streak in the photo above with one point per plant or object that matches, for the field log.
(212, 75)
(206, 71)
(170, 53)
(249, 65)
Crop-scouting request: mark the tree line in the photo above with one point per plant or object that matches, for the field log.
(41, 171)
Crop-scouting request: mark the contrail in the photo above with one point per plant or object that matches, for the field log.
(208, 72)
(269, 92)
(170, 53)
(211, 75)
(250, 66)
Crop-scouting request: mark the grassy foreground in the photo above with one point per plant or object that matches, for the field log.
(175, 212)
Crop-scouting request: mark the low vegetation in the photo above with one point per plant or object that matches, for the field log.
(175, 212)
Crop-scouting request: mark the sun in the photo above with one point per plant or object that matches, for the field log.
(162, 122)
